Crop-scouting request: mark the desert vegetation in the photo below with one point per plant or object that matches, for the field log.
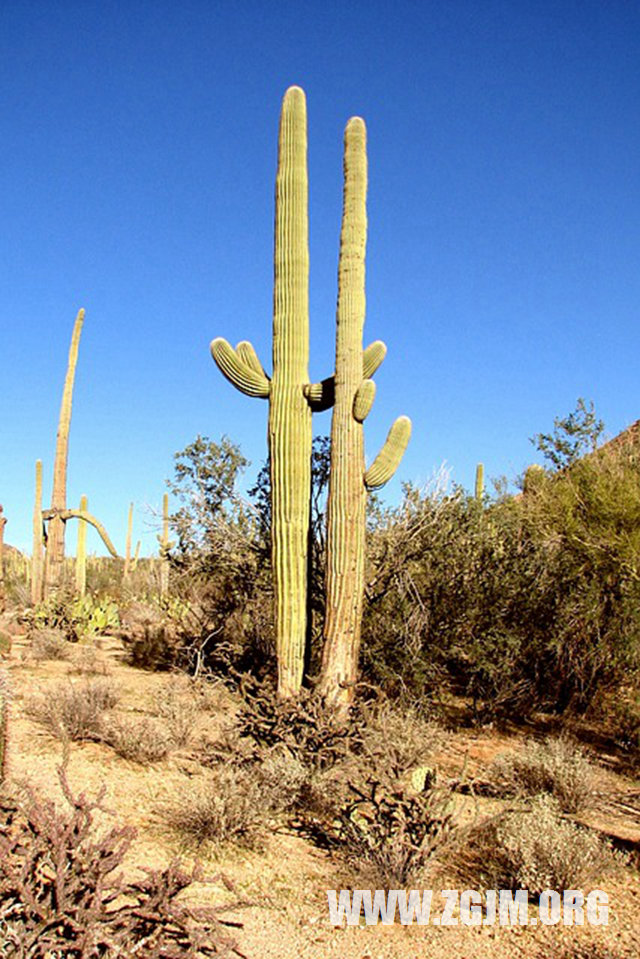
(437, 693)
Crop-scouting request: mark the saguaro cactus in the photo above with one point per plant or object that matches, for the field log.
(289, 430)
(38, 539)
(81, 550)
(55, 534)
(479, 491)
(127, 547)
(354, 393)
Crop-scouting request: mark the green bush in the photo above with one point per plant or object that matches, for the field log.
(523, 603)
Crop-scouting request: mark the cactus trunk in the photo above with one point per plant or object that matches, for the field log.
(37, 548)
(127, 547)
(354, 394)
(164, 546)
(479, 490)
(346, 509)
(55, 536)
(81, 551)
(289, 413)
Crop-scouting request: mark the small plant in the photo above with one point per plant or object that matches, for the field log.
(556, 766)
(534, 849)
(226, 807)
(49, 644)
(60, 894)
(144, 741)
(74, 712)
(175, 704)
(389, 836)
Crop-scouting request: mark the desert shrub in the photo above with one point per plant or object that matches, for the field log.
(535, 849)
(389, 836)
(518, 604)
(176, 703)
(225, 807)
(74, 711)
(49, 644)
(396, 742)
(290, 786)
(61, 893)
(555, 766)
(141, 741)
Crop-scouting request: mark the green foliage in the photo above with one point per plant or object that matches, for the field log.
(526, 602)
(76, 618)
(206, 474)
(573, 436)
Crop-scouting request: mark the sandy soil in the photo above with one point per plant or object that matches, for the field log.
(286, 882)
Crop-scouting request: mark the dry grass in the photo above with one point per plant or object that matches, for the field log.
(534, 848)
(142, 741)
(74, 712)
(226, 807)
(556, 766)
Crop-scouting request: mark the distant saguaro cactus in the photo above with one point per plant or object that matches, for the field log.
(354, 393)
(479, 490)
(127, 547)
(289, 429)
(54, 562)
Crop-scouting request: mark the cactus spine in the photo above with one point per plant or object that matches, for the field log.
(55, 536)
(479, 491)
(289, 429)
(348, 481)
(36, 552)
(81, 551)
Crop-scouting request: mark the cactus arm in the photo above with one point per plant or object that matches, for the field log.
(247, 354)
(321, 396)
(65, 514)
(363, 400)
(388, 459)
(245, 378)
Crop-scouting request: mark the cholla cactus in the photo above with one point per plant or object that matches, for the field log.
(354, 393)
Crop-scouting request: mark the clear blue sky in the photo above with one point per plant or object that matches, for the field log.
(138, 162)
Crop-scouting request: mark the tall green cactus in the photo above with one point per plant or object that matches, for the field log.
(55, 536)
(479, 490)
(127, 547)
(289, 429)
(354, 393)
(81, 550)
